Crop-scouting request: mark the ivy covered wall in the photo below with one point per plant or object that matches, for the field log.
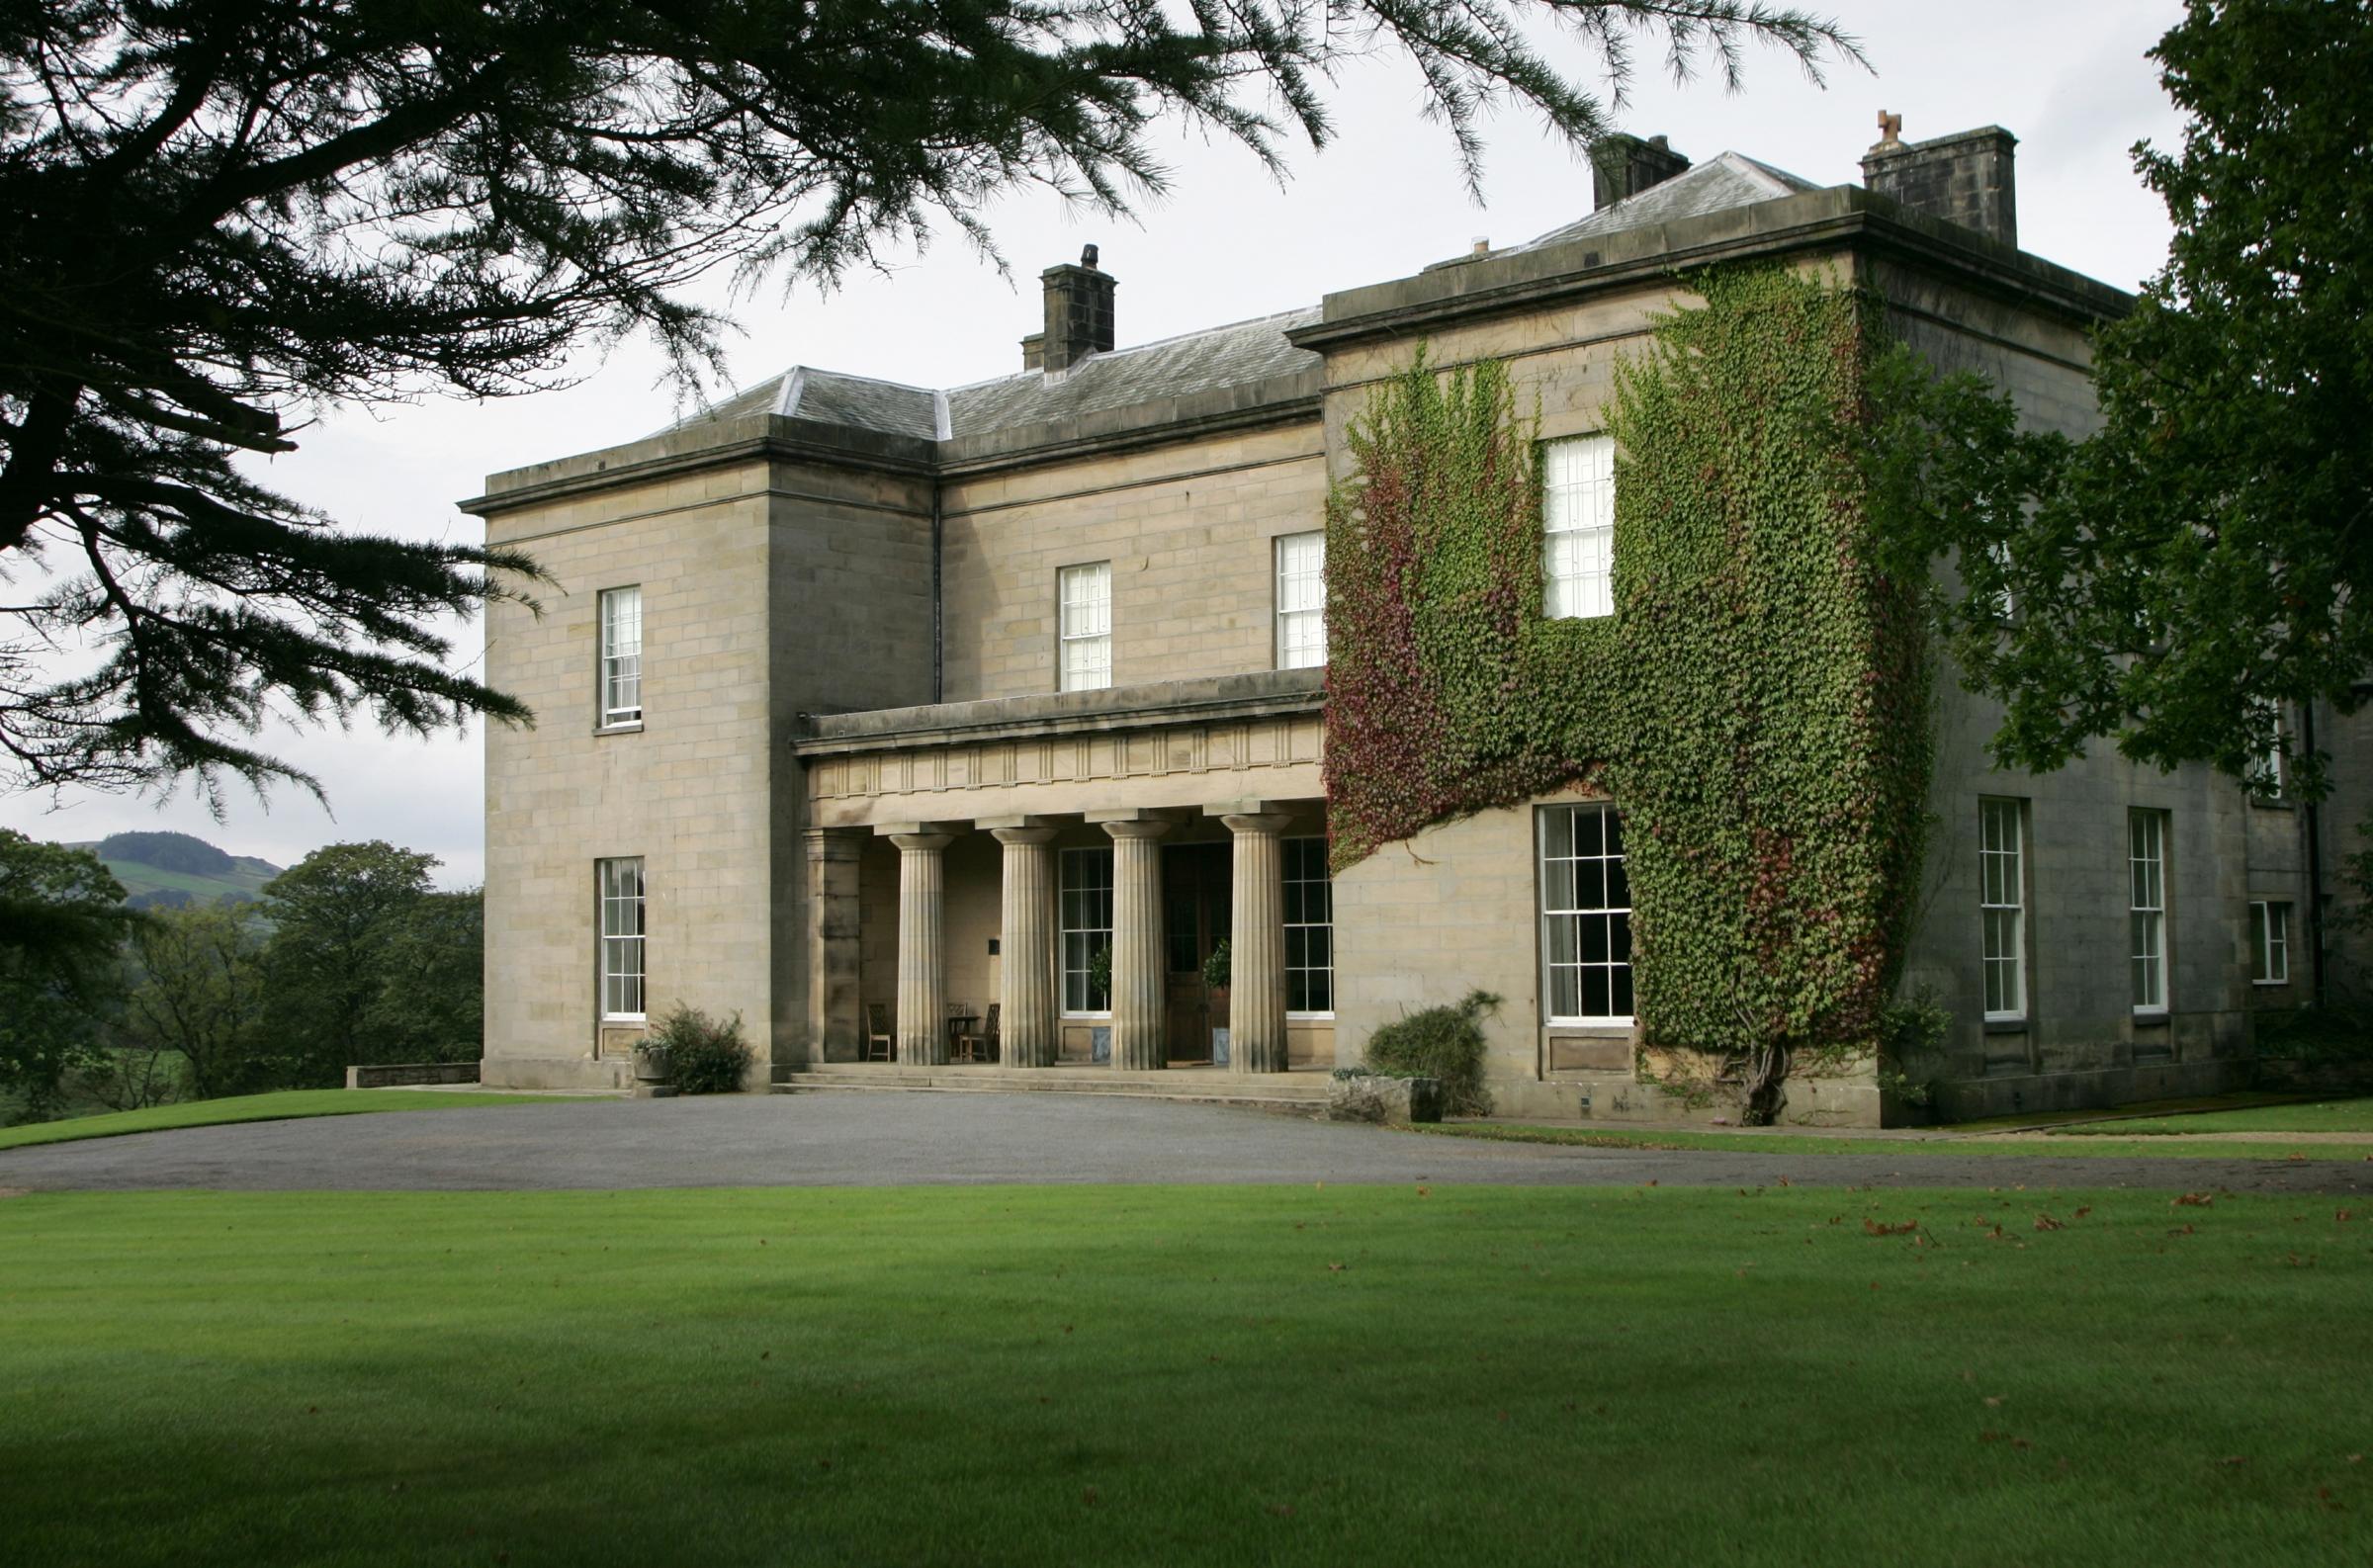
(1756, 706)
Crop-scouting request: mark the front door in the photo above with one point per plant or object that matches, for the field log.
(1194, 921)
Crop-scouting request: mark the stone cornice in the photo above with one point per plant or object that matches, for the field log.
(1221, 699)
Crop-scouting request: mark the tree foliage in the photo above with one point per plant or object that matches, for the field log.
(201, 996)
(342, 917)
(1757, 706)
(2207, 553)
(61, 925)
(224, 214)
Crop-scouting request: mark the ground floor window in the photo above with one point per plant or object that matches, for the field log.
(1585, 914)
(2002, 907)
(1087, 913)
(619, 885)
(2270, 943)
(1309, 929)
(2147, 878)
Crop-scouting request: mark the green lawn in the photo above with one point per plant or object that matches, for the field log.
(2108, 1146)
(1164, 1376)
(284, 1106)
(2331, 1115)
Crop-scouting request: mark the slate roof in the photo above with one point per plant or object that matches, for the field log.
(1241, 354)
(1730, 180)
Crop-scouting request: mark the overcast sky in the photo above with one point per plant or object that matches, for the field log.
(2069, 81)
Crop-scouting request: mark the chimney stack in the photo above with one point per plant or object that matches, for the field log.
(1966, 179)
(1079, 316)
(1621, 165)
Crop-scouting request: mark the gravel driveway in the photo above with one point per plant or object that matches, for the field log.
(861, 1139)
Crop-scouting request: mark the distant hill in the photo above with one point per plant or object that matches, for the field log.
(173, 870)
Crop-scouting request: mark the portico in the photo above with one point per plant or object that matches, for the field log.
(1074, 861)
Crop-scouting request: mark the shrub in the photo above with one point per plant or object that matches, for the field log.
(1444, 1043)
(704, 1057)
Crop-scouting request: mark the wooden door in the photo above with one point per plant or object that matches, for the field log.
(1194, 921)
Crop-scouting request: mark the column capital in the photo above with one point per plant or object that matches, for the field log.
(1257, 822)
(1151, 829)
(920, 843)
(1011, 836)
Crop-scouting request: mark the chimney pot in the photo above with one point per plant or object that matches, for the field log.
(1482, 244)
(1087, 257)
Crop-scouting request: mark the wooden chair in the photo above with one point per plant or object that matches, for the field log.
(980, 1046)
(880, 1044)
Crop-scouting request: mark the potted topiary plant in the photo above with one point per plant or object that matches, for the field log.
(652, 1071)
(1099, 999)
(1216, 971)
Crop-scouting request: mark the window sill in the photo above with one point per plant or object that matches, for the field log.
(2272, 803)
(1309, 1017)
(1589, 1025)
(1087, 1017)
(625, 1019)
(2271, 984)
(2018, 1025)
(2151, 1018)
(625, 726)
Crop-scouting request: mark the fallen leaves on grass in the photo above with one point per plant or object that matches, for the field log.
(1874, 1227)
(2196, 1200)
(2045, 1222)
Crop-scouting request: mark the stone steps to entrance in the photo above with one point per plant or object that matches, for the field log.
(1304, 1091)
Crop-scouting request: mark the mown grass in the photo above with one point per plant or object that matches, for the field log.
(1164, 1376)
(2331, 1115)
(1910, 1148)
(281, 1106)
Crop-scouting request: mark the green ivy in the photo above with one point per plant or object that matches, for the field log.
(1756, 706)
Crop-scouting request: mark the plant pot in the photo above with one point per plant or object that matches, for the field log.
(651, 1065)
(1219, 1047)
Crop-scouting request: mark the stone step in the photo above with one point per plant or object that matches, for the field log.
(1297, 1091)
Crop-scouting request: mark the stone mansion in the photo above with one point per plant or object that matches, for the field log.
(915, 724)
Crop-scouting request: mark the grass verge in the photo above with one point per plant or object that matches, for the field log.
(1908, 1148)
(1182, 1376)
(283, 1106)
(2331, 1115)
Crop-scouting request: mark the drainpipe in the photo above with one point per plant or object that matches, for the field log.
(938, 605)
(2315, 864)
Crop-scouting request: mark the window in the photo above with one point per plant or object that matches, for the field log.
(621, 656)
(2002, 905)
(621, 891)
(1302, 600)
(1086, 899)
(2146, 874)
(1086, 626)
(2270, 943)
(1586, 915)
(1309, 930)
(1577, 502)
(2267, 770)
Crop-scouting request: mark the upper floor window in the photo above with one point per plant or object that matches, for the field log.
(621, 656)
(1302, 600)
(2147, 902)
(2267, 779)
(1577, 501)
(1585, 915)
(2270, 942)
(619, 887)
(1086, 630)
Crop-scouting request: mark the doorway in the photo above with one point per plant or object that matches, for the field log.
(1196, 880)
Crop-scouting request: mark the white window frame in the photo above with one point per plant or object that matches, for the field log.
(1084, 627)
(1307, 895)
(621, 942)
(2146, 911)
(1617, 918)
(1077, 887)
(2268, 771)
(2002, 908)
(1577, 522)
(1300, 579)
(2270, 941)
(619, 692)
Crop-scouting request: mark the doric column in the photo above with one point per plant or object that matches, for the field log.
(1025, 986)
(1257, 945)
(1140, 1039)
(922, 953)
(836, 1008)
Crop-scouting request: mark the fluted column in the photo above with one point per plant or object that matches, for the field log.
(1140, 1038)
(1025, 986)
(922, 953)
(1257, 945)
